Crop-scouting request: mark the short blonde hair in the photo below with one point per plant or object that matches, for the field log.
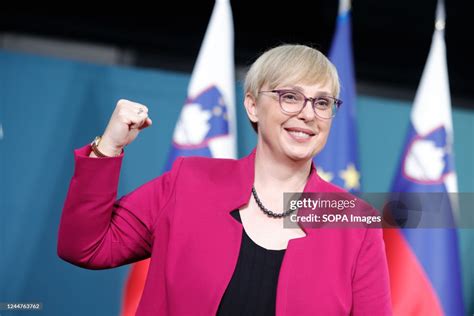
(288, 64)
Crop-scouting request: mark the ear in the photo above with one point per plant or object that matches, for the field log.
(250, 103)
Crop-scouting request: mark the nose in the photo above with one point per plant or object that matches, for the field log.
(307, 113)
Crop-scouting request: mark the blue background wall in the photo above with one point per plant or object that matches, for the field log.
(48, 107)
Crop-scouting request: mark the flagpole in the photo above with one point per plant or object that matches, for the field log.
(344, 6)
(440, 21)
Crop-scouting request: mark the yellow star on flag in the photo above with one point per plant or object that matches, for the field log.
(327, 176)
(351, 177)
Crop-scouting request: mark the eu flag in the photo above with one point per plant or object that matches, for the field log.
(337, 162)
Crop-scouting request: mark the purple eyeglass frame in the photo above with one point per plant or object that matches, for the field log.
(337, 103)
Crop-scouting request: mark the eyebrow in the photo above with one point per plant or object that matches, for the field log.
(298, 88)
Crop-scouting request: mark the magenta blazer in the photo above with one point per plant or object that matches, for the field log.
(182, 221)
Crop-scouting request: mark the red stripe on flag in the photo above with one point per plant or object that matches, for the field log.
(412, 293)
(134, 287)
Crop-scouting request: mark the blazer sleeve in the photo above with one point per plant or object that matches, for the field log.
(371, 285)
(99, 232)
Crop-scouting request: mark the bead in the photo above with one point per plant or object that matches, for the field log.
(267, 211)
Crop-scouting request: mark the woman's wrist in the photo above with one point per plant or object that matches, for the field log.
(102, 147)
(108, 149)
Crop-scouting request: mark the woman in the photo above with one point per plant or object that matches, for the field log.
(214, 227)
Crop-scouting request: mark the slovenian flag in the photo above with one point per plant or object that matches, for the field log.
(424, 263)
(207, 125)
(337, 162)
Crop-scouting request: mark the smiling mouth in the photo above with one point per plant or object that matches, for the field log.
(300, 132)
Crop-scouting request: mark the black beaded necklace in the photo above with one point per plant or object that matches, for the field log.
(267, 211)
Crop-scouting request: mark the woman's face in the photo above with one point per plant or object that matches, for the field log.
(294, 136)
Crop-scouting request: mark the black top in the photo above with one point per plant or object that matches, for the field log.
(252, 289)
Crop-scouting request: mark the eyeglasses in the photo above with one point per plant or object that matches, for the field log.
(293, 102)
